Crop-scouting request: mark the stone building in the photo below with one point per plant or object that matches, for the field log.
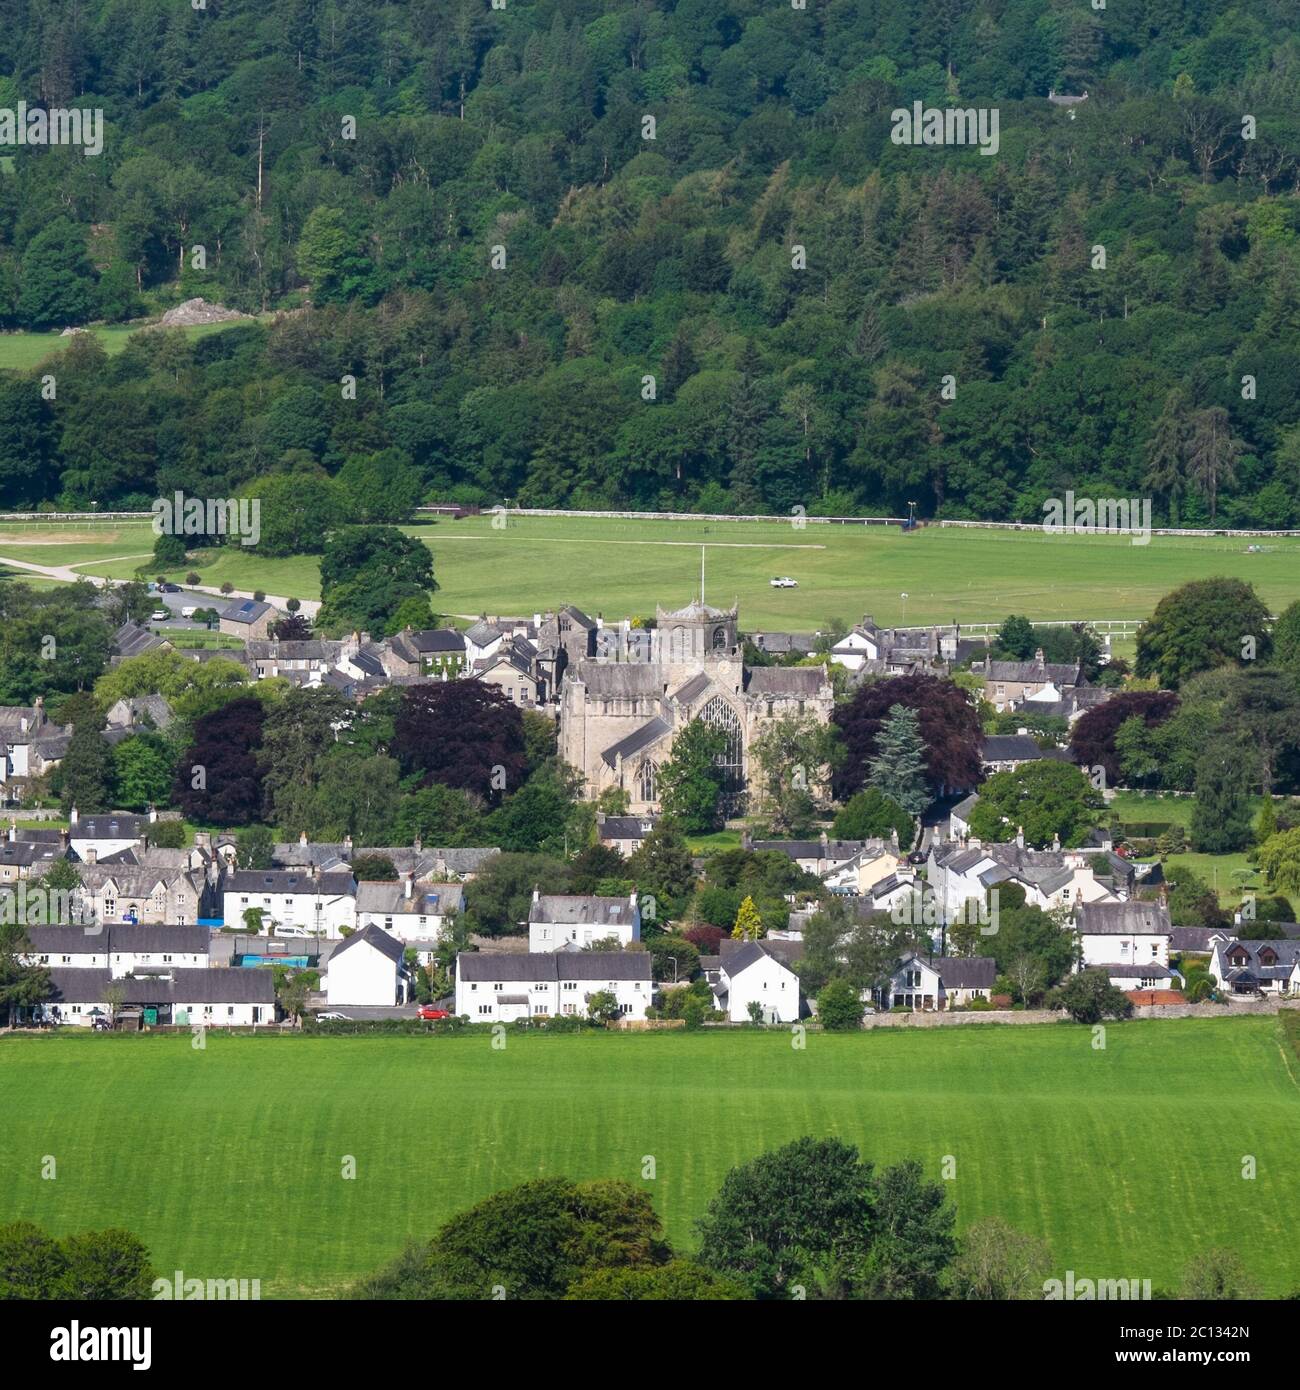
(621, 709)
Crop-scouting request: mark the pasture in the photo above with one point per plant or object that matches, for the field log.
(228, 1160)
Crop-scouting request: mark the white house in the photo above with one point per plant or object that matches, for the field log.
(502, 986)
(409, 911)
(623, 833)
(106, 834)
(570, 921)
(216, 998)
(925, 983)
(758, 972)
(294, 902)
(873, 863)
(367, 969)
(1256, 967)
(1126, 934)
(1052, 878)
(824, 857)
(120, 948)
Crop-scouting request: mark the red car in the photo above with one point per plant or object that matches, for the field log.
(427, 1011)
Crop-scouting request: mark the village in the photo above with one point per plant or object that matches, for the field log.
(191, 934)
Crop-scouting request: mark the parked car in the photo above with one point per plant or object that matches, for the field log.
(292, 931)
(170, 588)
(189, 610)
(161, 615)
(428, 1012)
(331, 1017)
(785, 582)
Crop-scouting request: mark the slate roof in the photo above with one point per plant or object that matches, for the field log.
(1194, 939)
(435, 639)
(626, 827)
(786, 950)
(131, 639)
(838, 850)
(288, 881)
(198, 986)
(797, 682)
(1123, 919)
(1147, 970)
(959, 972)
(374, 936)
(569, 909)
(389, 898)
(648, 734)
(24, 853)
(618, 680)
(693, 688)
(245, 610)
(538, 966)
(1007, 748)
(113, 826)
(1029, 672)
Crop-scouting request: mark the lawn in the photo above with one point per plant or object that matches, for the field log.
(23, 351)
(624, 568)
(227, 1160)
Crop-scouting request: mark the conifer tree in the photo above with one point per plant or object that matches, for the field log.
(898, 769)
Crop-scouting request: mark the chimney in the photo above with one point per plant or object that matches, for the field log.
(347, 845)
(632, 898)
(1020, 837)
(153, 815)
(302, 837)
(1038, 658)
(72, 816)
(13, 829)
(203, 839)
(1056, 841)
(408, 888)
(92, 855)
(22, 724)
(418, 842)
(214, 871)
(537, 894)
(64, 838)
(823, 840)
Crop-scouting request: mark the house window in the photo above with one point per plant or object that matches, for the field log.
(485, 1008)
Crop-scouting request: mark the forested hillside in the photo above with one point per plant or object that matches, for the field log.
(523, 128)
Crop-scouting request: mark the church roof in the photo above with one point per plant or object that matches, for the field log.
(620, 679)
(804, 681)
(698, 610)
(640, 738)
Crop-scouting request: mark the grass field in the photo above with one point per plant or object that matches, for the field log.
(227, 1160)
(623, 568)
(23, 351)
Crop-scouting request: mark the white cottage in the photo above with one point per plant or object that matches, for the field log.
(758, 972)
(502, 986)
(572, 921)
(367, 970)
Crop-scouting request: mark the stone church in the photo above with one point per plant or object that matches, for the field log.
(621, 709)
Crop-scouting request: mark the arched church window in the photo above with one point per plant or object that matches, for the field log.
(646, 780)
(719, 638)
(720, 715)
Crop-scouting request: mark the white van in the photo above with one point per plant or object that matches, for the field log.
(189, 610)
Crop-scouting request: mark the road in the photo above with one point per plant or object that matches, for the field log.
(200, 595)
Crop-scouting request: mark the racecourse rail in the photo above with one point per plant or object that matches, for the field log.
(798, 520)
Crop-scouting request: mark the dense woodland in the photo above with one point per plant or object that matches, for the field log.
(625, 257)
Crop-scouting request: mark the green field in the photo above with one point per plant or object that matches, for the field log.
(227, 1160)
(623, 568)
(23, 351)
